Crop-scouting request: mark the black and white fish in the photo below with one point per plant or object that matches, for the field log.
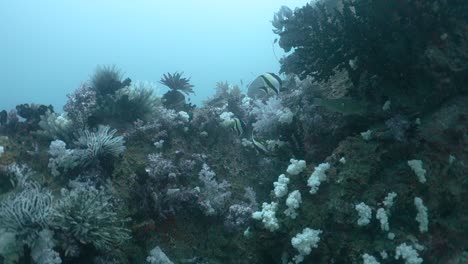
(267, 83)
(272, 83)
(259, 146)
(238, 126)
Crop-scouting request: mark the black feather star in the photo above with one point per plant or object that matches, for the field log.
(176, 82)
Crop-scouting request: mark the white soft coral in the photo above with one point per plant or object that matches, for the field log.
(408, 253)
(296, 166)
(270, 115)
(281, 186)
(304, 242)
(317, 177)
(268, 216)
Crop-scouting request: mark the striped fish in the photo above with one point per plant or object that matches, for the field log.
(272, 82)
(238, 126)
(259, 147)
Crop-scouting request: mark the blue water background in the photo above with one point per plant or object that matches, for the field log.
(48, 48)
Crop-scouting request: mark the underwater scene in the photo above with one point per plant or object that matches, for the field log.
(352, 147)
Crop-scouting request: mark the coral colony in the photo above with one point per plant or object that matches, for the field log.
(356, 153)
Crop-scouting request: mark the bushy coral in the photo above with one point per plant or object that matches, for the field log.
(214, 194)
(90, 216)
(62, 159)
(384, 37)
(311, 120)
(32, 112)
(280, 19)
(136, 101)
(81, 105)
(240, 215)
(42, 251)
(27, 212)
(159, 168)
(165, 189)
(162, 120)
(177, 82)
(92, 148)
(175, 98)
(20, 175)
(270, 115)
(100, 144)
(107, 80)
(25, 221)
(56, 126)
(377, 43)
(118, 101)
(226, 95)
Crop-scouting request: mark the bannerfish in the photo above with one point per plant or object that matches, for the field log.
(266, 84)
(272, 82)
(238, 126)
(259, 147)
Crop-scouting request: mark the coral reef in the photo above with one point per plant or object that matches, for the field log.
(99, 144)
(214, 195)
(56, 126)
(27, 211)
(81, 105)
(90, 216)
(32, 113)
(107, 80)
(379, 45)
(174, 98)
(359, 158)
(176, 82)
(110, 100)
